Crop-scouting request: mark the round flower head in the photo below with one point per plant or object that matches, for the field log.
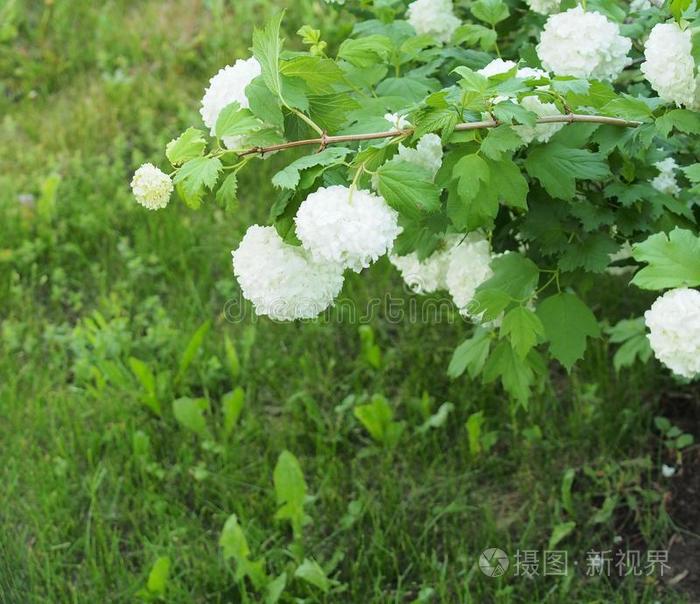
(427, 154)
(281, 280)
(584, 45)
(430, 274)
(435, 18)
(674, 331)
(469, 266)
(669, 64)
(226, 87)
(151, 187)
(544, 7)
(665, 182)
(540, 132)
(345, 226)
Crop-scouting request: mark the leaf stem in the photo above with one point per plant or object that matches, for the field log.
(569, 118)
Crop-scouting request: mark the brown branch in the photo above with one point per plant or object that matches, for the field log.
(324, 141)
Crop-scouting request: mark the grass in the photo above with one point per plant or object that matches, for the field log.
(97, 487)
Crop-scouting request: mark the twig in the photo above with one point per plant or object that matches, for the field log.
(324, 140)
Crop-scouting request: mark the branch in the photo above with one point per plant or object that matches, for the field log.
(324, 141)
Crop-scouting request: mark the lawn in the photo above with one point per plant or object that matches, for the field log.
(142, 405)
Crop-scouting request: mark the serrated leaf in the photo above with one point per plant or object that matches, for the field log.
(515, 373)
(470, 355)
(321, 75)
(267, 46)
(673, 259)
(367, 51)
(471, 34)
(264, 104)
(199, 173)
(592, 254)
(568, 323)
(234, 121)
(290, 491)
(523, 328)
(470, 171)
(190, 144)
(500, 140)
(558, 167)
(408, 189)
(511, 186)
(508, 112)
(683, 120)
(226, 195)
(290, 176)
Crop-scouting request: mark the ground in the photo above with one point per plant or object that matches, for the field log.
(100, 479)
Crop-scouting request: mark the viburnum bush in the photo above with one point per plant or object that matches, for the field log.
(513, 154)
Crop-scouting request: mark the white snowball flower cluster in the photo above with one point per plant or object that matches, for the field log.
(637, 6)
(282, 281)
(349, 227)
(433, 17)
(665, 182)
(674, 331)
(539, 132)
(544, 7)
(583, 44)
(468, 268)
(669, 66)
(226, 87)
(430, 274)
(499, 66)
(151, 187)
(427, 154)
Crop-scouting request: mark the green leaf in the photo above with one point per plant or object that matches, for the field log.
(234, 121)
(674, 260)
(471, 171)
(408, 189)
(234, 364)
(235, 545)
(232, 404)
(227, 193)
(568, 323)
(148, 381)
(290, 491)
(509, 112)
(511, 186)
(523, 328)
(500, 140)
(290, 176)
(367, 51)
(678, 7)
(275, 588)
(264, 104)
(192, 198)
(592, 254)
(320, 75)
(471, 34)
(158, 577)
(190, 144)
(559, 533)
(490, 11)
(267, 46)
(192, 349)
(515, 373)
(189, 413)
(470, 355)
(378, 419)
(310, 572)
(515, 278)
(199, 173)
(557, 167)
(683, 120)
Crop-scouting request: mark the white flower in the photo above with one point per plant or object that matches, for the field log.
(469, 266)
(531, 73)
(151, 187)
(544, 7)
(667, 471)
(674, 331)
(428, 275)
(281, 280)
(345, 226)
(669, 64)
(540, 132)
(583, 44)
(427, 154)
(226, 87)
(433, 17)
(399, 122)
(496, 67)
(665, 182)
(637, 6)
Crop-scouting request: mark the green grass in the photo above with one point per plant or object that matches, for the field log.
(96, 486)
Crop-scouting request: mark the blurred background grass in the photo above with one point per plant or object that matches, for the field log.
(96, 486)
